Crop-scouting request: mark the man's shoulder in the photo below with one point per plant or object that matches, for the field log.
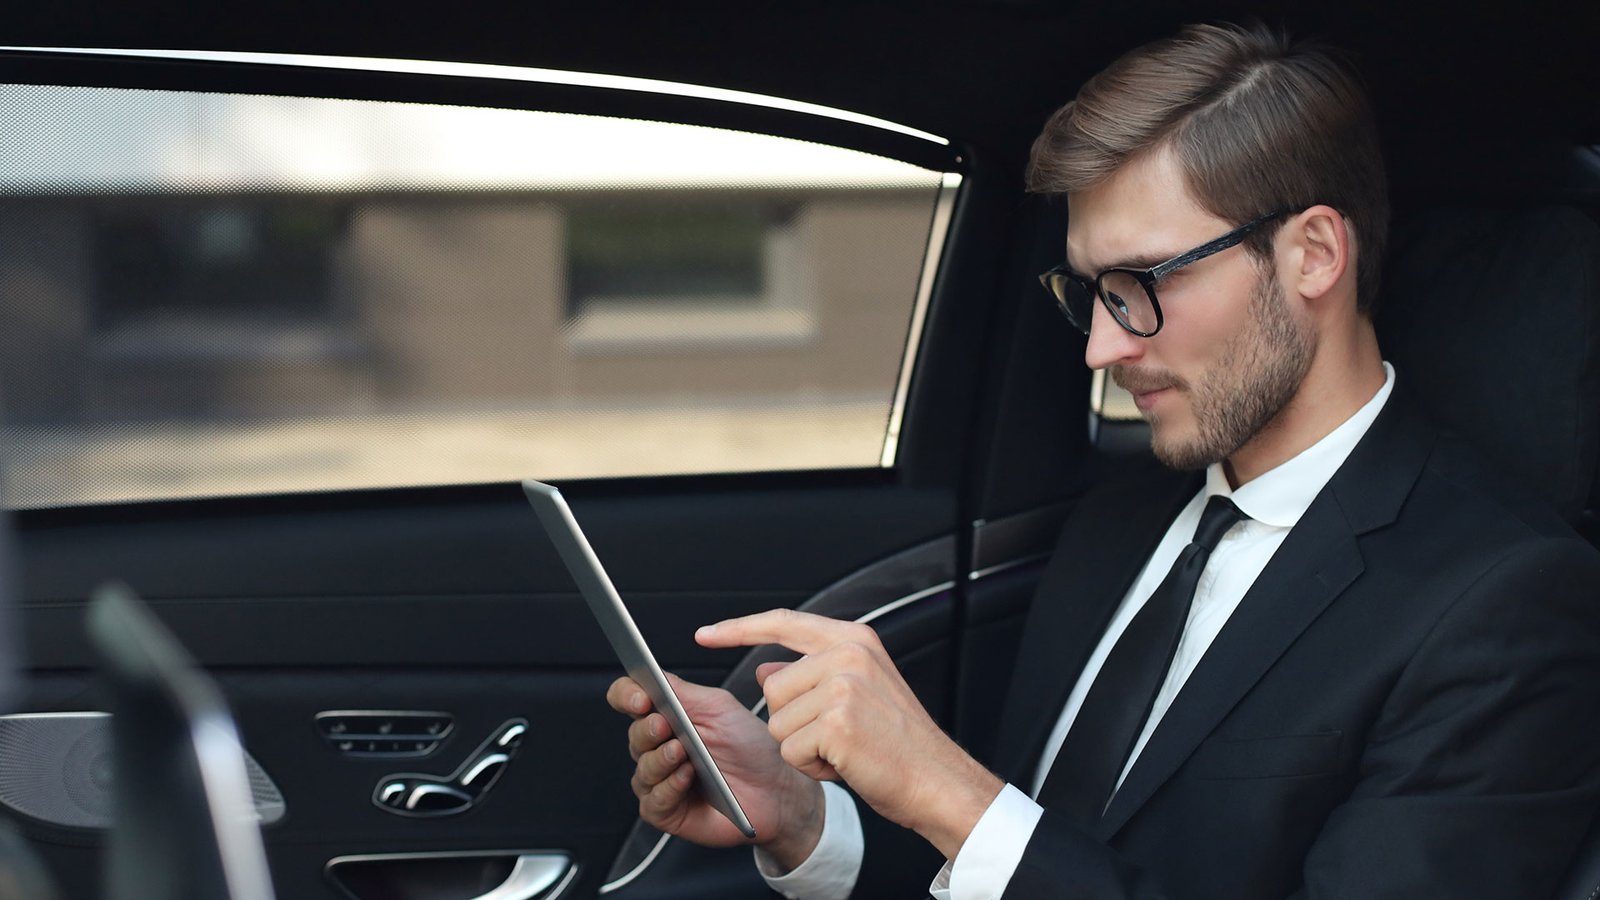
(1431, 481)
(1461, 488)
(1465, 519)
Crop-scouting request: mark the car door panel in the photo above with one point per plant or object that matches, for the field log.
(463, 609)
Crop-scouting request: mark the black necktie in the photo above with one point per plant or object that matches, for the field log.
(1096, 749)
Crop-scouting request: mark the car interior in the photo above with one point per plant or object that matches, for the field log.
(293, 299)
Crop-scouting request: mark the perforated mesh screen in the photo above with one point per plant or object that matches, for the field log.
(205, 294)
(57, 767)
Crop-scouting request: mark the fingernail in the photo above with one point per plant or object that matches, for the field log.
(636, 702)
(705, 632)
(682, 775)
(670, 752)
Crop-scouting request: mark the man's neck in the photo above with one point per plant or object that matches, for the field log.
(1337, 385)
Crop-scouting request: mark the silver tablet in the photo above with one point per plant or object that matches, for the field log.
(628, 643)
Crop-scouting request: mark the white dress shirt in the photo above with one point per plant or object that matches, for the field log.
(1274, 501)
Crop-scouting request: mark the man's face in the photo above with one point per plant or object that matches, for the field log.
(1232, 352)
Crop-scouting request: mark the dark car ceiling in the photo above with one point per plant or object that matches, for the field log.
(1446, 77)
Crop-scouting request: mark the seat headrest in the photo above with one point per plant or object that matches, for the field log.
(1490, 318)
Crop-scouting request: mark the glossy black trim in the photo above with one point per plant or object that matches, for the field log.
(1014, 539)
(57, 68)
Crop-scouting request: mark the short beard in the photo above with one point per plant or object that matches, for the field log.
(1242, 394)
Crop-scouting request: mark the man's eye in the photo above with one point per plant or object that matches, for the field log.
(1172, 278)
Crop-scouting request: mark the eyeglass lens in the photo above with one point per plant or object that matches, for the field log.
(1129, 300)
(1126, 295)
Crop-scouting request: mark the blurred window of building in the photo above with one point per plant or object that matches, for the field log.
(208, 294)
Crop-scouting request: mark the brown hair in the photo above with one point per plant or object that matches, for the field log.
(1258, 123)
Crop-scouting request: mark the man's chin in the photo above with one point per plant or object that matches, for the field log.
(1183, 455)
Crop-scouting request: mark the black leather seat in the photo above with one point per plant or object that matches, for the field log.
(1493, 318)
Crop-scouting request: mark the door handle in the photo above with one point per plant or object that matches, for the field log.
(533, 874)
(529, 874)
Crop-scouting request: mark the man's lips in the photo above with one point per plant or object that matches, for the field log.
(1146, 387)
(1146, 399)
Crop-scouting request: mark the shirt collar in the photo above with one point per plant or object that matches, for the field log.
(1282, 495)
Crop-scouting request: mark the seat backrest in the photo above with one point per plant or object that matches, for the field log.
(1492, 319)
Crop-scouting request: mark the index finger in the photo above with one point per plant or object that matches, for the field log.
(625, 696)
(801, 632)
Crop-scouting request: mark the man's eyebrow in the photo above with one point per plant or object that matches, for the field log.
(1142, 261)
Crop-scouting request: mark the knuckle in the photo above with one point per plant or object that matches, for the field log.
(650, 808)
(857, 654)
(836, 720)
(775, 697)
(842, 727)
(844, 687)
(660, 798)
(865, 635)
(793, 754)
(777, 726)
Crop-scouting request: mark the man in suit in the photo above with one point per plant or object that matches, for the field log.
(1323, 653)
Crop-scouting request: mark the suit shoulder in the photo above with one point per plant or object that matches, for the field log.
(1459, 486)
(1465, 528)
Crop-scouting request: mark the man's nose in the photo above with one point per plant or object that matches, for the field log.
(1109, 343)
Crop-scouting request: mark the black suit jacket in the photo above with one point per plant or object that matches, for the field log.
(1401, 706)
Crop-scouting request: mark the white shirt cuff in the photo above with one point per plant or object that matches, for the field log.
(830, 872)
(989, 857)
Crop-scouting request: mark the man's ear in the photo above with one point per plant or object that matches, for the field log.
(1322, 250)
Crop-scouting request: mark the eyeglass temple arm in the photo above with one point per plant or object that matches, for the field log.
(1198, 253)
(1217, 246)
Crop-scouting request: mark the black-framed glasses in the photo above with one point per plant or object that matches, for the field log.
(1130, 294)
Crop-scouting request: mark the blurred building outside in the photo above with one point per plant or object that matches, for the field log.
(215, 294)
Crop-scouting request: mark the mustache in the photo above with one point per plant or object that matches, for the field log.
(1140, 381)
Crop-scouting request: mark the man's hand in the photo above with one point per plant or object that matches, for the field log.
(843, 711)
(784, 806)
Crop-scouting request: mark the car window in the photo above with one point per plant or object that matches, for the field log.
(207, 294)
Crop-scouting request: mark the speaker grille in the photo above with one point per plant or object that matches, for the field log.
(56, 767)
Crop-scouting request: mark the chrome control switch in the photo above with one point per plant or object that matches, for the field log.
(384, 733)
(429, 796)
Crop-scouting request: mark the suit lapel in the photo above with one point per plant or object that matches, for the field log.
(1319, 559)
(1092, 568)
